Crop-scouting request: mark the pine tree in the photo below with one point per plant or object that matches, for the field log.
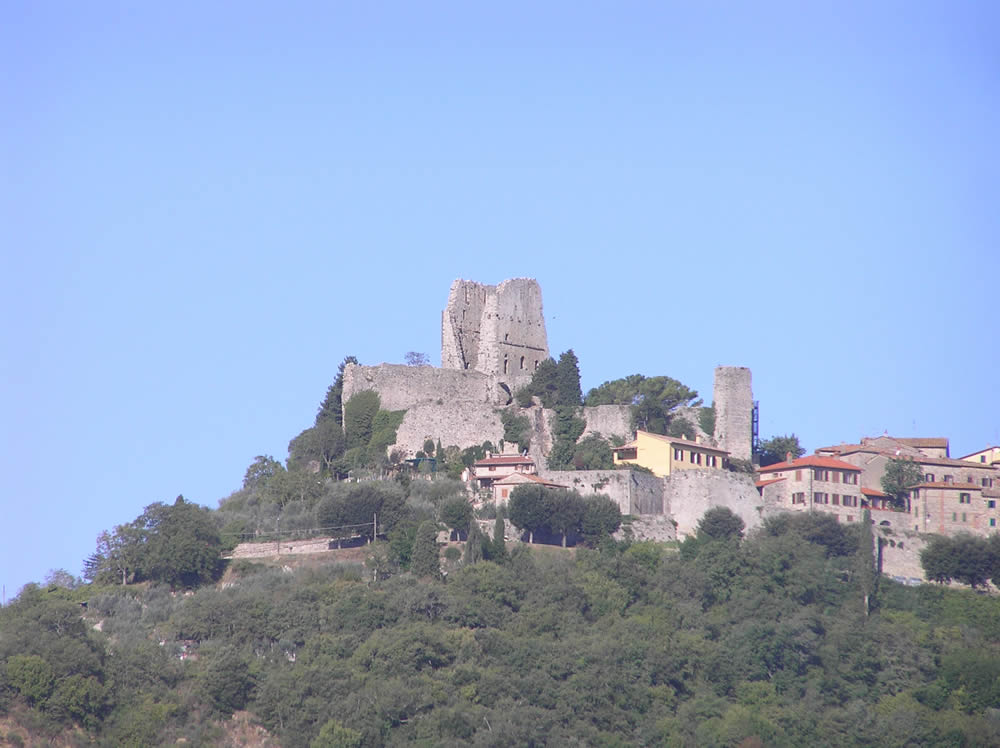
(426, 561)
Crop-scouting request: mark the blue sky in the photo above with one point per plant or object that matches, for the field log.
(206, 206)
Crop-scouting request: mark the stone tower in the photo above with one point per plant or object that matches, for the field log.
(734, 410)
(496, 330)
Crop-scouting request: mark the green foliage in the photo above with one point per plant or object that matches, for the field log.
(865, 569)
(965, 558)
(738, 465)
(554, 384)
(527, 508)
(359, 418)
(323, 443)
(601, 518)
(720, 523)
(32, 677)
(681, 428)
(335, 735)
(901, 474)
(331, 408)
(516, 428)
(653, 400)
(706, 419)
(567, 429)
(226, 682)
(426, 560)
(568, 391)
(776, 449)
(429, 447)
(456, 513)
(350, 509)
(263, 468)
(593, 452)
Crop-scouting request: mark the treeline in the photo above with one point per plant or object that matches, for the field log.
(756, 640)
(964, 558)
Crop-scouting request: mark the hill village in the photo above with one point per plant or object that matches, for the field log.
(493, 339)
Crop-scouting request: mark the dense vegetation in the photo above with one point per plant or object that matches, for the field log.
(762, 639)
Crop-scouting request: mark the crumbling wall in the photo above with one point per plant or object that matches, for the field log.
(901, 554)
(401, 387)
(497, 330)
(734, 410)
(691, 493)
(608, 421)
(462, 424)
(633, 491)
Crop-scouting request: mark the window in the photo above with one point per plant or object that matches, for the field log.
(503, 493)
(798, 498)
(821, 474)
(850, 517)
(851, 478)
(836, 499)
(964, 498)
(504, 364)
(821, 498)
(949, 479)
(798, 475)
(493, 468)
(954, 516)
(991, 504)
(993, 522)
(929, 478)
(963, 516)
(987, 483)
(678, 454)
(982, 458)
(522, 363)
(836, 476)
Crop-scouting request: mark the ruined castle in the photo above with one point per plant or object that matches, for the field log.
(492, 340)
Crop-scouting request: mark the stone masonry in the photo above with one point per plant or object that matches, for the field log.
(734, 410)
(497, 330)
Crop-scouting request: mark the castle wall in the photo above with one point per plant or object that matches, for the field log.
(462, 424)
(691, 493)
(401, 387)
(608, 420)
(634, 492)
(734, 410)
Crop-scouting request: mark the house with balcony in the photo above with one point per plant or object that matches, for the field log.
(490, 469)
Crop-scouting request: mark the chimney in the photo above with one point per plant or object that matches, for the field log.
(788, 456)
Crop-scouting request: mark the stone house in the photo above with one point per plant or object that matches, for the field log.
(816, 482)
(490, 469)
(948, 508)
(503, 487)
(664, 455)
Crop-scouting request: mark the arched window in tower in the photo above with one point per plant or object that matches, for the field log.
(504, 364)
(536, 365)
(522, 363)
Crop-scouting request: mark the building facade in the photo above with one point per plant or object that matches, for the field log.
(664, 455)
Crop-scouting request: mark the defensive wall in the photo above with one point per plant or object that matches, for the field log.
(691, 493)
(634, 492)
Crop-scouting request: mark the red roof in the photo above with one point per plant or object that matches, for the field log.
(873, 492)
(942, 484)
(811, 461)
(504, 460)
(762, 483)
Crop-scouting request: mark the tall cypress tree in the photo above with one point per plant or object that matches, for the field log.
(865, 563)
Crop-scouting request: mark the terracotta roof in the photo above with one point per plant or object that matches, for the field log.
(504, 460)
(522, 477)
(934, 441)
(872, 492)
(630, 445)
(978, 452)
(762, 483)
(811, 461)
(674, 440)
(956, 486)
(920, 459)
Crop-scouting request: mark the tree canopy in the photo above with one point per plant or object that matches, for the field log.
(901, 474)
(652, 400)
(777, 448)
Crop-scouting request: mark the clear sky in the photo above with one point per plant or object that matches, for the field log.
(206, 206)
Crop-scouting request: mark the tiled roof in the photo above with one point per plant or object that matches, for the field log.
(919, 459)
(674, 440)
(872, 492)
(956, 486)
(762, 483)
(504, 460)
(811, 461)
(934, 441)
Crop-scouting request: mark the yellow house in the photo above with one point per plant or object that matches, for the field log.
(666, 454)
(988, 456)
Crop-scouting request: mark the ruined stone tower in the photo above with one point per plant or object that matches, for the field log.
(734, 410)
(497, 330)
